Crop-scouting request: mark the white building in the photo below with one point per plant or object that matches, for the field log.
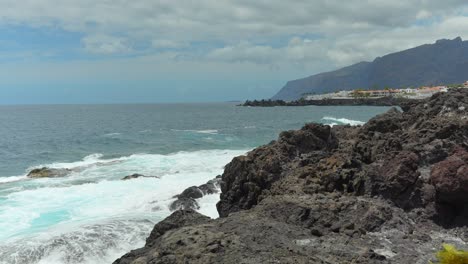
(409, 90)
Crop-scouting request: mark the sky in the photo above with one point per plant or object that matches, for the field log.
(117, 51)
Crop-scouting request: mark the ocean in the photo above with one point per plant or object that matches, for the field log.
(91, 215)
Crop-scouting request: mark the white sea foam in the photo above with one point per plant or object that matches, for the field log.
(112, 134)
(206, 205)
(60, 221)
(12, 179)
(90, 160)
(341, 121)
(203, 131)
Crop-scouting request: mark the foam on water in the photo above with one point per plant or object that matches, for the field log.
(341, 121)
(205, 131)
(92, 216)
(12, 179)
(112, 134)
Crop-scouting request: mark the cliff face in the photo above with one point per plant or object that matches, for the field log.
(390, 191)
(444, 62)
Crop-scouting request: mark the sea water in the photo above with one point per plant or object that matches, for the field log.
(91, 215)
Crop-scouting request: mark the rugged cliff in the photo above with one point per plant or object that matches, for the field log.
(391, 191)
(444, 62)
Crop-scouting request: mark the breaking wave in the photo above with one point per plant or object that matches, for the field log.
(341, 121)
(91, 215)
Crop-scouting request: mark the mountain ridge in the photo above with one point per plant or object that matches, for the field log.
(443, 62)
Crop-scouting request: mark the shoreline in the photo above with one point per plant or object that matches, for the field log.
(376, 193)
(383, 101)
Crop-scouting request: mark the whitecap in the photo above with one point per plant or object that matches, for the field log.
(203, 131)
(112, 134)
(90, 160)
(12, 179)
(342, 121)
(58, 210)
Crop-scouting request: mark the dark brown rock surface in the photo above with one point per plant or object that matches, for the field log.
(391, 191)
(45, 172)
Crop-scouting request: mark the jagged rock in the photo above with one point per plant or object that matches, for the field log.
(184, 203)
(136, 175)
(450, 177)
(246, 177)
(45, 172)
(391, 191)
(211, 187)
(191, 192)
(187, 199)
(178, 219)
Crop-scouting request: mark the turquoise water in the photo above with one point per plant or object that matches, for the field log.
(91, 216)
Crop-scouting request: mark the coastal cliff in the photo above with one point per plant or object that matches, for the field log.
(443, 62)
(390, 191)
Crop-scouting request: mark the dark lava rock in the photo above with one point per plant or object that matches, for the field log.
(246, 178)
(136, 175)
(48, 173)
(187, 199)
(384, 101)
(391, 191)
(184, 203)
(211, 187)
(178, 219)
(191, 192)
(450, 177)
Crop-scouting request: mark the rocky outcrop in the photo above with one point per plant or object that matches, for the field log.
(391, 191)
(137, 175)
(247, 179)
(384, 101)
(181, 218)
(45, 172)
(187, 199)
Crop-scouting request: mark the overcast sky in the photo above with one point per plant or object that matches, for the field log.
(113, 51)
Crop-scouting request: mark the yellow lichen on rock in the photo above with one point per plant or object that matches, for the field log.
(451, 255)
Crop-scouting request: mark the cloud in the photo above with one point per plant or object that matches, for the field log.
(168, 44)
(104, 44)
(299, 37)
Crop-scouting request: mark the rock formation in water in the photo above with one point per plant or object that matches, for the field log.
(383, 101)
(45, 172)
(390, 191)
(188, 198)
(137, 175)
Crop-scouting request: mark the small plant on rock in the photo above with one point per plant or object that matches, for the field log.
(451, 255)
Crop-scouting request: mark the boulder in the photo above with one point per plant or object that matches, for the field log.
(187, 199)
(191, 192)
(45, 172)
(450, 178)
(136, 175)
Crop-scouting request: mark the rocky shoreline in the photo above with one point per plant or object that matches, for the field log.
(384, 101)
(390, 191)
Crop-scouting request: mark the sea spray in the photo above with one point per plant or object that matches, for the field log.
(57, 219)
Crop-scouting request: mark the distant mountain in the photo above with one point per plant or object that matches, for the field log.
(444, 62)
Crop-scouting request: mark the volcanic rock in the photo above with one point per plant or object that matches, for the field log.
(45, 172)
(391, 191)
(187, 199)
(136, 175)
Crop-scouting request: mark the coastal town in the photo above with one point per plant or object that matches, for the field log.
(371, 97)
(409, 93)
